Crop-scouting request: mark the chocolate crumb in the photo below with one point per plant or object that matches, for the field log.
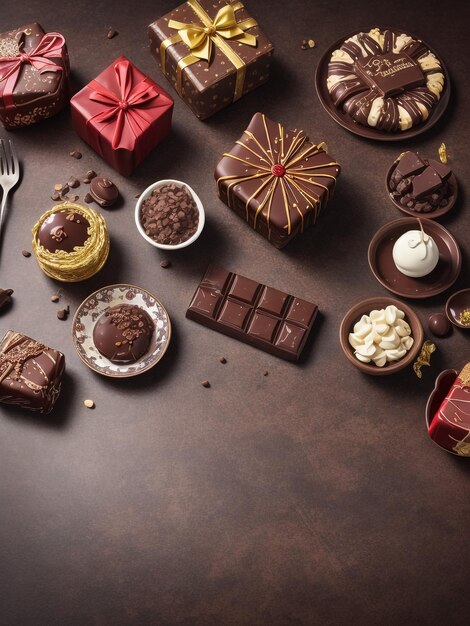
(55, 196)
(206, 384)
(165, 263)
(91, 174)
(88, 198)
(58, 187)
(266, 373)
(5, 297)
(304, 44)
(62, 314)
(26, 253)
(112, 33)
(86, 181)
(73, 182)
(223, 360)
(137, 195)
(76, 154)
(55, 297)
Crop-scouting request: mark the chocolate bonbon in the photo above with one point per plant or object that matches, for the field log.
(276, 179)
(254, 313)
(122, 115)
(421, 185)
(385, 79)
(103, 191)
(213, 53)
(122, 334)
(34, 75)
(30, 373)
(415, 253)
(71, 242)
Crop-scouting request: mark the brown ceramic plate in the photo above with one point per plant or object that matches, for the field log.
(457, 304)
(441, 278)
(364, 308)
(443, 383)
(432, 214)
(367, 131)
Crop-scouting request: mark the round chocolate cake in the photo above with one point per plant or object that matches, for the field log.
(385, 79)
(64, 230)
(122, 334)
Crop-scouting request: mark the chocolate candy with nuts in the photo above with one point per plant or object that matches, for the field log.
(123, 333)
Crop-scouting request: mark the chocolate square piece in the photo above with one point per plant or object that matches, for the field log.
(212, 51)
(123, 114)
(391, 73)
(34, 75)
(276, 179)
(443, 170)
(425, 183)
(409, 164)
(262, 316)
(30, 373)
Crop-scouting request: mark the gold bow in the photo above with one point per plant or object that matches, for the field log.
(199, 38)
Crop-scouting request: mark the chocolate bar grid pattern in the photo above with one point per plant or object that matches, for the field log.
(252, 312)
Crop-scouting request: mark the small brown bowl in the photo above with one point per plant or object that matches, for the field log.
(457, 304)
(364, 308)
(431, 215)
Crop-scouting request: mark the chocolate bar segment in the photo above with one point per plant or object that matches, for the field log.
(261, 316)
(276, 179)
(30, 373)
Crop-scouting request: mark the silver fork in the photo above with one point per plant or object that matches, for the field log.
(9, 174)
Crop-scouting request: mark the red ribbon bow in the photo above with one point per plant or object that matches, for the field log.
(127, 108)
(48, 48)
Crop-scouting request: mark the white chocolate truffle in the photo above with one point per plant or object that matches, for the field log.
(415, 254)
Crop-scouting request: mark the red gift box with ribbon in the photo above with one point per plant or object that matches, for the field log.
(34, 75)
(122, 115)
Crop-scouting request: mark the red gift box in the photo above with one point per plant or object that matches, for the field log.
(450, 426)
(122, 114)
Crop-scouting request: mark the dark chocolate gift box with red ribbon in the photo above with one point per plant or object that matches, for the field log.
(122, 115)
(34, 75)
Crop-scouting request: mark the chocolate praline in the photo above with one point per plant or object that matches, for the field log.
(64, 230)
(439, 325)
(123, 333)
(103, 191)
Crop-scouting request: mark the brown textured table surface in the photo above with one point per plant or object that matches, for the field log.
(310, 496)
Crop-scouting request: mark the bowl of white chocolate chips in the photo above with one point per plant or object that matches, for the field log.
(381, 335)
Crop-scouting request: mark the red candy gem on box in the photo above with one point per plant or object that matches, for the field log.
(278, 170)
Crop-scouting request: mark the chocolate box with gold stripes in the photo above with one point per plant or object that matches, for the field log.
(276, 179)
(212, 52)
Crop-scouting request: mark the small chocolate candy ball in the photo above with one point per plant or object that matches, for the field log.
(439, 325)
(103, 191)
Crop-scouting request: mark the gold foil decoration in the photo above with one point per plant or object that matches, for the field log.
(443, 153)
(200, 37)
(465, 376)
(424, 357)
(464, 317)
(85, 261)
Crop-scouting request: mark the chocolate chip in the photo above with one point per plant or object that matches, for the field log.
(112, 33)
(62, 314)
(206, 384)
(223, 360)
(88, 198)
(76, 154)
(5, 297)
(26, 253)
(55, 196)
(86, 181)
(91, 174)
(73, 182)
(55, 297)
(266, 373)
(165, 263)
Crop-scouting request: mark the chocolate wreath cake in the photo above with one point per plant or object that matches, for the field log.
(385, 79)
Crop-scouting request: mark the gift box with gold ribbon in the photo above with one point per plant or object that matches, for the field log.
(34, 75)
(213, 53)
(123, 114)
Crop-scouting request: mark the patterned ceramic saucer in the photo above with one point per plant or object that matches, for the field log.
(97, 303)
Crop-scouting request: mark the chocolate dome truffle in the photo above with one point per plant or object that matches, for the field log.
(123, 333)
(103, 191)
(71, 242)
(385, 79)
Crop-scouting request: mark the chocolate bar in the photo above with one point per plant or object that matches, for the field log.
(34, 75)
(276, 179)
(212, 51)
(261, 316)
(30, 373)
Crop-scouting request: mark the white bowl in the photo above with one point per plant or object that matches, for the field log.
(200, 208)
